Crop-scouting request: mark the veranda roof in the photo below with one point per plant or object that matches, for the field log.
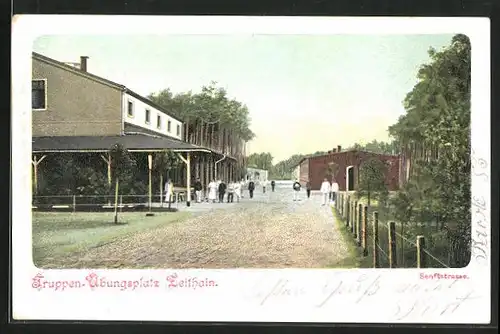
(132, 142)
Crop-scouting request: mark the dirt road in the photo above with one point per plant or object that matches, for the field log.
(268, 231)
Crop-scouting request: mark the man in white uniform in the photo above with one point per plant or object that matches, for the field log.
(212, 191)
(237, 190)
(325, 191)
(335, 190)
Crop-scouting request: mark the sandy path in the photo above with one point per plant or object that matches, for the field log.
(270, 231)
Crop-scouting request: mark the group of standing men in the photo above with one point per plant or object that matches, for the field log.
(328, 190)
(217, 190)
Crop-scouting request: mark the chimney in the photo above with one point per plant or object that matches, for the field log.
(83, 63)
(334, 150)
(339, 148)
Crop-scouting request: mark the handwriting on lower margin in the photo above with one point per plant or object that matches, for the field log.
(365, 286)
(432, 305)
(282, 288)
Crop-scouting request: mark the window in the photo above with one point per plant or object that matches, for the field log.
(130, 109)
(38, 94)
(158, 121)
(178, 130)
(148, 116)
(169, 126)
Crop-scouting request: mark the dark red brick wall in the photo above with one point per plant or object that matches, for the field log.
(318, 167)
(304, 172)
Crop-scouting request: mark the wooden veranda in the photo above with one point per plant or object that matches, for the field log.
(199, 162)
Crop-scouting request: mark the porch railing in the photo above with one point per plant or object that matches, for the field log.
(106, 201)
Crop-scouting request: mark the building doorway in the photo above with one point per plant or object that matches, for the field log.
(349, 172)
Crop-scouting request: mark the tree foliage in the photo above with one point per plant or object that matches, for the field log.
(121, 164)
(164, 162)
(331, 171)
(260, 160)
(380, 147)
(372, 179)
(435, 134)
(211, 107)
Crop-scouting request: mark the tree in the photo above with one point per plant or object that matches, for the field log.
(121, 162)
(379, 147)
(163, 163)
(372, 179)
(332, 170)
(211, 119)
(434, 135)
(260, 160)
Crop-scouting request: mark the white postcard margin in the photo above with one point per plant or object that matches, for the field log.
(361, 296)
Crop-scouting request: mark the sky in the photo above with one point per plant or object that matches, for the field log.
(305, 93)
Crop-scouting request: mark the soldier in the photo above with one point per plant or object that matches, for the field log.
(251, 188)
(296, 189)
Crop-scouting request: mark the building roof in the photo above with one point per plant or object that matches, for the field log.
(104, 81)
(132, 142)
(347, 151)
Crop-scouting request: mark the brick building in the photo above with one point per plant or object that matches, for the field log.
(315, 168)
(75, 111)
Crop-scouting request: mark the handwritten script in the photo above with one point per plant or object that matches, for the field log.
(440, 298)
(480, 214)
(412, 301)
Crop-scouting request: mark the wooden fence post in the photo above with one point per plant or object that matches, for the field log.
(347, 212)
(392, 245)
(364, 231)
(342, 204)
(421, 256)
(354, 228)
(121, 203)
(74, 203)
(360, 224)
(376, 261)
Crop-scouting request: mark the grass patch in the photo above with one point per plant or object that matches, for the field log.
(61, 233)
(355, 258)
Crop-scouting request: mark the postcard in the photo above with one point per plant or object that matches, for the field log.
(250, 169)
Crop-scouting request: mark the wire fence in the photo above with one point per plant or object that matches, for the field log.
(391, 244)
(83, 202)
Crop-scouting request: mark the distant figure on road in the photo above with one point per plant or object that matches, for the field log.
(325, 191)
(296, 189)
(273, 184)
(230, 192)
(264, 184)
(197, 190)
(237, 190)
(212, 191)
(308, 189)
(169, 190)
(242, 184)
(222, 191)
(335, 190)
(251, 188)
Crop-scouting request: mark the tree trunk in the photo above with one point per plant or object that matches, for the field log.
(220, 138)
(402, 242)
(161, 188)
(369, 198)
(186, 135)
(211, 136)
(204, 134)
(116, 201)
